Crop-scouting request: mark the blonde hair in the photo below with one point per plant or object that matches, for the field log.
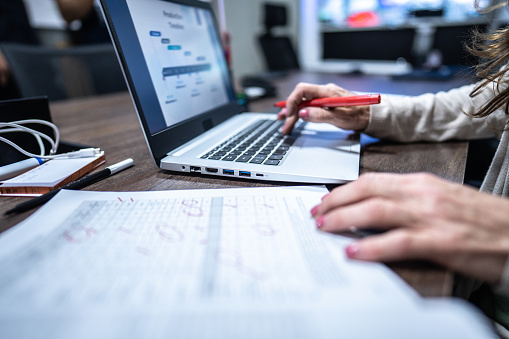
(493, 50)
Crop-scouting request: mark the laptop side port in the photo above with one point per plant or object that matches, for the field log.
(244, 174)
(195, 169)
(228, 172)
(211, 170)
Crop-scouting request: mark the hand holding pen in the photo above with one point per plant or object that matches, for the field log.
(307, 101)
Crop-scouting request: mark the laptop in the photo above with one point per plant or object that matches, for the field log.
(171, 54)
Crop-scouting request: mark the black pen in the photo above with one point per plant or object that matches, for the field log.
(76, 185)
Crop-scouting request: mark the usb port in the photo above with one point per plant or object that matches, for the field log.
(259, 175)
(229, 172)
(244, 174)
(195, 169)
(211, 170)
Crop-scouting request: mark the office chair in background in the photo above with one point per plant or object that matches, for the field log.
(278, 51)
(62, 73)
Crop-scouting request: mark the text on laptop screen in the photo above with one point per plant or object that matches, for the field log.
(184, 57)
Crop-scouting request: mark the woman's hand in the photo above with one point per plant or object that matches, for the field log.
(350, 118)
(424, 218)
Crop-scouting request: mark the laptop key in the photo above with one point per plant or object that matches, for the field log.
(276, 157)
(271, 162)
(229, 158)
(243, 158)
(257, 160)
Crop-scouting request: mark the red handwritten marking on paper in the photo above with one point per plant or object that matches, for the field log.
(190, 208)
(229, 205)
(233, 259)
(132, 200)
(125, 230)
(170, 233)
(79, 234)
(120, 199)
(199, 228)
(144, 251)
(264, 229)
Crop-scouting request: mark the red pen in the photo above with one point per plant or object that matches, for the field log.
(356, 100)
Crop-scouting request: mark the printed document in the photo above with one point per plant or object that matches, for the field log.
(222, 263)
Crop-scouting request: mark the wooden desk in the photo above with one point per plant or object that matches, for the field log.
(110, 122)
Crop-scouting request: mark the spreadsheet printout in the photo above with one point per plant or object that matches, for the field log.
(233, 261)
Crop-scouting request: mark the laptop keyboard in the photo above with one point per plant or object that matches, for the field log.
(259, 143)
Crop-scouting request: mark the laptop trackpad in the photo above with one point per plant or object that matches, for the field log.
(325, 136)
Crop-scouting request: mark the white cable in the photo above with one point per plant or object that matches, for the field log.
(17, 126)
(47, 123)
(43, 122)
(31, 131)
(36, 136)
(82, 153)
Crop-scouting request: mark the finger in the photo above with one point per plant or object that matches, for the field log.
(318, 115)
(377, 213)
(391, 246)
(282, 114)
(303, 91)
(289, 124)
(367, 186)
(395, 186)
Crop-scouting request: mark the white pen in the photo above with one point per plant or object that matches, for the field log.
(76, 185)
(17, 168)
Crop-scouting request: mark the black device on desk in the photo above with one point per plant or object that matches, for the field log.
(24, 109)
(257, 87)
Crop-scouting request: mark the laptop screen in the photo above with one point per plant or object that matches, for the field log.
(184, 58)
(175, 68)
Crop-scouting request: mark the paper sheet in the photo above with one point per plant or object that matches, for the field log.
(227, 263)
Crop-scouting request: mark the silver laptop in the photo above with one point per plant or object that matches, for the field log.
(174, 64)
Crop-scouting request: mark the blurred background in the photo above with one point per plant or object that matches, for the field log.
(344, 36)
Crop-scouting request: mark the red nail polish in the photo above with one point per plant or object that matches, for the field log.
(314, 210)
(352, 250)
(320, 221)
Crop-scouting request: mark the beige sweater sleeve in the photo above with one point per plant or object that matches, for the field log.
(432, 117)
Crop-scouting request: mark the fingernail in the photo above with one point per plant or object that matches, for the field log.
(314, 211)
(304, 113)
(325, 196)
(320, 221)
(352, 250)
